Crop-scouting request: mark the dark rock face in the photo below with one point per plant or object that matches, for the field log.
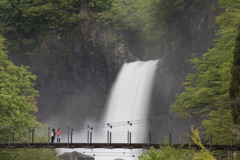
(75, 72)
(75, 156)
(188, 34)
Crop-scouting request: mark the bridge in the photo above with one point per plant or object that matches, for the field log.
(116, 145)
(107, 141)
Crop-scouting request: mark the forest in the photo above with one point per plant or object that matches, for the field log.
(210, 89)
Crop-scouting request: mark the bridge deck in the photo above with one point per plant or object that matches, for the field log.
(112, 146)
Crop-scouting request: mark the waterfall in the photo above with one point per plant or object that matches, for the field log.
(129, 101)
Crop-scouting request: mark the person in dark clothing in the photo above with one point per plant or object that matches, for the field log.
(53, 134)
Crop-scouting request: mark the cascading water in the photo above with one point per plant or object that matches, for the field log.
(129, 101)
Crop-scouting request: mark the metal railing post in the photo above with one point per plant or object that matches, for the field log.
(13, 135)
(107, 138)
(91, 135)
(210, 141)
(29, 135)
(88, 135)
(130, 137)
(48, 135)
(68, 136)
(127, 137)
(110, 136)
(130, 134)
(33, 135)
(190, 138)
(169, 138)
(9, 137)
(189, 121)
(149, 138)
(149, 132)
(71, 134)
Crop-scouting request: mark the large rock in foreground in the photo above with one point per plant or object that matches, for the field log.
(75, 156)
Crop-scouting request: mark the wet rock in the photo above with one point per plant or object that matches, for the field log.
(75, 156)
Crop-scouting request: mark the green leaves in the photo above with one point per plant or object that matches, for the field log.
(210, 85)
(33, 154)
(100, 5)
(30, 21)
(50, 14)
(167, 153)
(235, 82)
(40, 136)
(220, 125)
(171, 153)
(17, 95)
(120, 15)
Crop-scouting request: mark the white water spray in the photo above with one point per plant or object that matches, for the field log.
(129, 100)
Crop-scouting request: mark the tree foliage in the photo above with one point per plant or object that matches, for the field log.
(211, 83)
(99, 5)
(40, 136)
(28, 154)
(235, 83)
(220, 124)
(121, 15)
(171, 153)
(28, 15)
(25, 23)
(17, 95)
(209, 86)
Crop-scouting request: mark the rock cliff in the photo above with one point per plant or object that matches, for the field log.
(188, 34)
(75, 71)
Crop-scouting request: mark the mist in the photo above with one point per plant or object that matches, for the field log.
(77, 68)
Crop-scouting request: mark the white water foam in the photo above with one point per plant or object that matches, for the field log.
(129, 101)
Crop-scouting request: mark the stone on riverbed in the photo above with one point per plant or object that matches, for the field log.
(75, 156)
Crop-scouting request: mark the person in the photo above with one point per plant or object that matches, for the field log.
(59, 132)
(53, 134)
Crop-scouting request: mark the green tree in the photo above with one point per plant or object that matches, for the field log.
(28, 154)
(120, 15)
(235, 83)
(40, 136)
(25, 23)
(17, 96)
(171, 153)
(220, 124)
(209, 86)
(99, 5)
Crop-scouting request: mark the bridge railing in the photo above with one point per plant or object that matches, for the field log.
(92, 136)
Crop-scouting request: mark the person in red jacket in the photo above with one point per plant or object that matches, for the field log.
(59, 132)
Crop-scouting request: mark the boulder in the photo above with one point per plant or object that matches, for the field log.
(75, 156)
